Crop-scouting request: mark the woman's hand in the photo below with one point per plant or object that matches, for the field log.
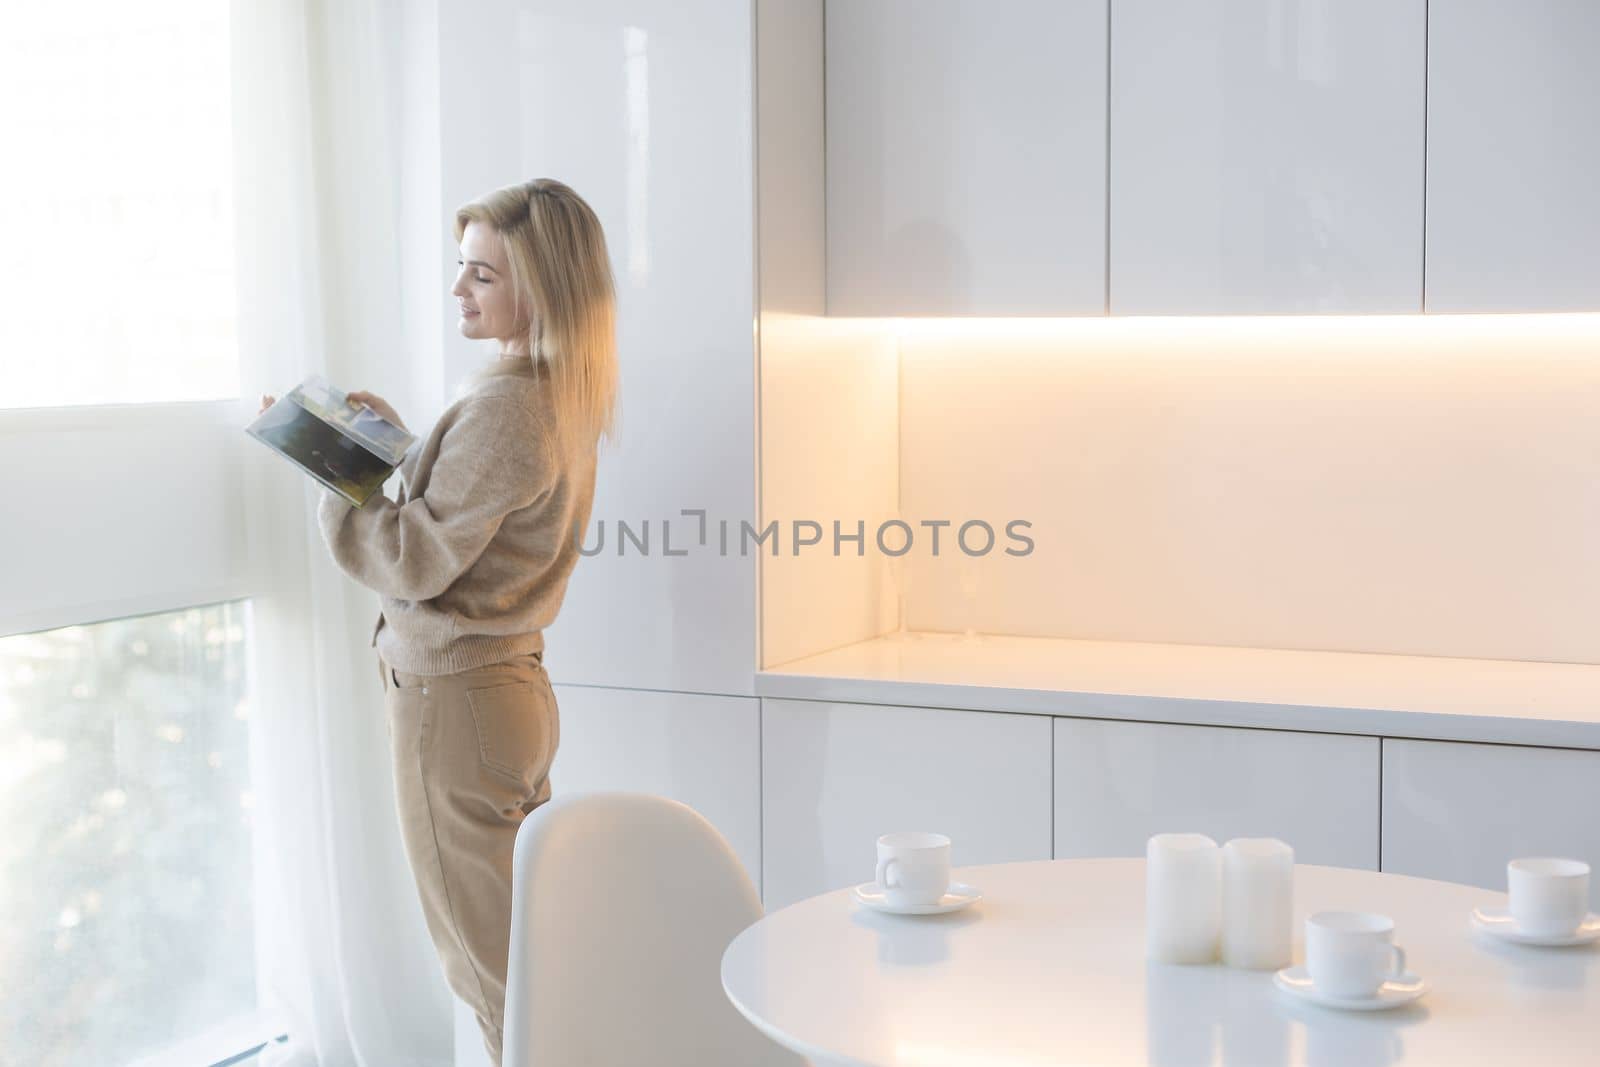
(378, 404)
(266, 402)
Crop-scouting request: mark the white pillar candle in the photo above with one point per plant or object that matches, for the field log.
(1183, 898)
(1257, 902)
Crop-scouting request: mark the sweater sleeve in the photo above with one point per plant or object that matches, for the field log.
(492, 460)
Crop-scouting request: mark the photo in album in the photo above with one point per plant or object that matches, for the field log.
(350, 449)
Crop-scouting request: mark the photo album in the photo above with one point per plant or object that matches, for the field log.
(350, 449)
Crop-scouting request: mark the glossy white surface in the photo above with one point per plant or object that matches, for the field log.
(1325, 692)
(645, 110)
(966, 157)
(791, 182)
(697, 748)
(1461, 812)
(467, 1037)
(1117, 783)
(1049, 968)
(836, 776)
(623, 905)
(1513, 102)
(1266, 156)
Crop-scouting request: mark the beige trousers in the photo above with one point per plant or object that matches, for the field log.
(472, 754)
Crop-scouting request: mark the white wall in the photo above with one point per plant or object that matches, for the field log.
(1417, 485)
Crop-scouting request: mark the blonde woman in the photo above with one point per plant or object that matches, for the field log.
(472, 560)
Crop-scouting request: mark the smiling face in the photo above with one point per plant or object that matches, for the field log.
(483, 291)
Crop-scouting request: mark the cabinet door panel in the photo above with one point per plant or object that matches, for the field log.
(1513, 106)
(1266, 157)
(1119, 782)
(1460, 812)
(836, 776)
(966, 157)
(701, 750)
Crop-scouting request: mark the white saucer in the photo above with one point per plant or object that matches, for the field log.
(958, 895)
(1393, 993)
(1497, 922)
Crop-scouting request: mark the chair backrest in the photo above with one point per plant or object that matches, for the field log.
(622, 905)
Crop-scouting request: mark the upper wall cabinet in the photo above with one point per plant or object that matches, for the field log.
(1267, 156)
(1513, 147)
(966, 157)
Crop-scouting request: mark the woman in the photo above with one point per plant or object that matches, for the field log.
(472, 561)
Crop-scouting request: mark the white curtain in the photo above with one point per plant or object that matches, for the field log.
(338, 221)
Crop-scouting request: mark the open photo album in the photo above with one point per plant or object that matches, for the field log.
(349, 448)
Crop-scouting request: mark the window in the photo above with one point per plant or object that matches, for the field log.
(125, 865)
(117, 203)
(126, 882)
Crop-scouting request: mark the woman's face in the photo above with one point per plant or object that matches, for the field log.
(483, 288)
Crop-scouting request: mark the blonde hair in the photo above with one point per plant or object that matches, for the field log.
(558, 262)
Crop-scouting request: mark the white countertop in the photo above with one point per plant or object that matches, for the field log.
(1504, 701)
(1049, 968)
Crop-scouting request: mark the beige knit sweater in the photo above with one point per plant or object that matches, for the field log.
(471, 560)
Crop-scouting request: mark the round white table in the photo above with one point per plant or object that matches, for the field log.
(1049, 968)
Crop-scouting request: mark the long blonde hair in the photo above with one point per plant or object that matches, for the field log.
(558, 261)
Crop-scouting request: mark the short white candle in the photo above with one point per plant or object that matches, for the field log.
(1257, 903)
(1183, 898)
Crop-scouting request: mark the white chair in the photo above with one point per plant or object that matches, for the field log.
(622, 905)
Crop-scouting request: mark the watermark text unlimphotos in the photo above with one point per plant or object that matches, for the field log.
(891, 537)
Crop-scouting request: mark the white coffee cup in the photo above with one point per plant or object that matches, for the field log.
(1352, 953)
(1549, 897)
(913, 867)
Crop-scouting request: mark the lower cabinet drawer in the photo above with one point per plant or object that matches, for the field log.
(1459, 812)
(697, 749)
(1116, 783)
(835, 776)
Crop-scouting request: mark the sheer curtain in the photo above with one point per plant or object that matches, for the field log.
(339, 242)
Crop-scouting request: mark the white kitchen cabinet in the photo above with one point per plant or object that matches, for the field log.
(966, 157)
(1459, 812)
(836, 776)
(1266, 156)
(469, 1050)
(1116, 783)
(1513, 110)
(645, 109)
(701, 750)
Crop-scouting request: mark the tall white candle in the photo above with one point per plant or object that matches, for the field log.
(1257, 903)
(1183, 898)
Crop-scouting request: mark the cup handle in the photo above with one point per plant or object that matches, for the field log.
(885, 866)
(1397, 961)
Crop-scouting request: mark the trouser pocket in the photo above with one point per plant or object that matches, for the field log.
(514, 730)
